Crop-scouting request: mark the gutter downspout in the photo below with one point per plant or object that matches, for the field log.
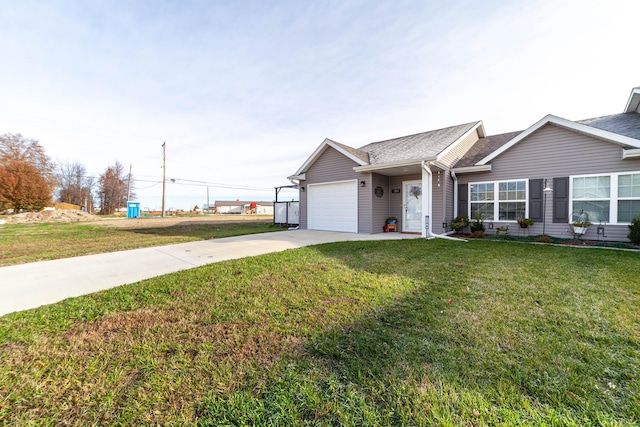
(427, 200)
(428, 233)
(455, 194)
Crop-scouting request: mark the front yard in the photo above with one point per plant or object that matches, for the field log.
(362, 333)
(23, 243)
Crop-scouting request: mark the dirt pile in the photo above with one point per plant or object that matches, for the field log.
(51, 216)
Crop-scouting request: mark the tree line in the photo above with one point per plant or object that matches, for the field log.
(30, 180)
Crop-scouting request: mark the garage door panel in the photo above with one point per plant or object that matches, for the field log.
(333, 206)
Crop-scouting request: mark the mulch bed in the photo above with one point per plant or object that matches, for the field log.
(557, 241)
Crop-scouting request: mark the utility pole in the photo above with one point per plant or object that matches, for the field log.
(164, 176)
(129, 183)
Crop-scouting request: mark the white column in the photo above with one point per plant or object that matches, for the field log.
(426, 200)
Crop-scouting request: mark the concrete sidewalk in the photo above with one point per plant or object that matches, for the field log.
(28, 286)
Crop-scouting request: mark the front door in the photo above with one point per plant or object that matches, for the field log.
(412, 206)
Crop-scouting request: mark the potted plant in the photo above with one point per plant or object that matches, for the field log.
(525, 222)
(580, 223)
(580, 227)
(459, 222)
(502, 230)
(391, 220)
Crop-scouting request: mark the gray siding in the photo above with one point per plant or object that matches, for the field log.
(448, 195)
(333, 166)
(553, 152)
(380, 205)
(460, 149)
(438, 208)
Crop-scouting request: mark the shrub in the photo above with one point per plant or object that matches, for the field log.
(478, 234)
(634, 230)
(459, 222)
(544, 239)
(477, 225)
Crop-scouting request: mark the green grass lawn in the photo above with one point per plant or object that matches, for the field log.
(36, 242)
(388, 333)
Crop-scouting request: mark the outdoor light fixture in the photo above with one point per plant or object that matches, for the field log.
(444, 225)
(301, 188)
(362, 183)
(490, 226)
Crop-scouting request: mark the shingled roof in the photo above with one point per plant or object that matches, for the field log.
(414, 147)
(484, 147)
(627, 124)
(362, 155)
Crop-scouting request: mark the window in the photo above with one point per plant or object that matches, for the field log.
(612, 198)
(592, 194)
(628, 197)
(508, 203)
(481, 198)
(512, 200)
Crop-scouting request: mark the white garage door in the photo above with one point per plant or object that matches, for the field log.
(333, 207)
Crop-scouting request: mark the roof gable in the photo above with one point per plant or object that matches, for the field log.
(411, 148)
(595, 132)
(633, 104)
(358, 156)
(417, 147)
(484, 147)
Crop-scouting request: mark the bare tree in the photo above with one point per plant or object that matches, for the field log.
(28, 176)
(112, 189)
(17, 147)
(74, 186)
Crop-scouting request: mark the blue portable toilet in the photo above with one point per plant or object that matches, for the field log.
(133, 209)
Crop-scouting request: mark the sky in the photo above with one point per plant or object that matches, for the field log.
(244, 91)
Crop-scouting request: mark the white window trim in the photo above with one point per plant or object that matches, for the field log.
(613, 194)
(496, 199)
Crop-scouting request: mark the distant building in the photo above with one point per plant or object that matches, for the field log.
(242, 207)
(208, 209)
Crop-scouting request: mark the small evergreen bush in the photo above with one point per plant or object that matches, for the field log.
(477, 225)
(634, 230)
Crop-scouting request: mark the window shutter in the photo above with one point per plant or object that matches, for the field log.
(463, 200)
(561, 200)
(536, 201)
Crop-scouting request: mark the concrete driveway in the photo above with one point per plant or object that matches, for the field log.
(28, 286)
